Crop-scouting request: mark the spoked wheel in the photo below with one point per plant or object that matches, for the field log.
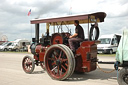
(73, 58)
(28, 64)
(59, 62)
(123, 76)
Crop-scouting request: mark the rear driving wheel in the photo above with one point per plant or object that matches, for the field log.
(28, 64)
(72, 56)
(59, 62)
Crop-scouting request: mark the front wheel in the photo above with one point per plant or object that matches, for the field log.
(5, 49)
(123, 76)
(59, 62)
(17, 50)
(111, 51)
(28, 64)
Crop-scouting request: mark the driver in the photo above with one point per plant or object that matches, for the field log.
(78, 36)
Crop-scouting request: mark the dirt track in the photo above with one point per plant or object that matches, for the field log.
(11, 73)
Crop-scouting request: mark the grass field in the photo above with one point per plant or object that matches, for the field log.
(112, 55)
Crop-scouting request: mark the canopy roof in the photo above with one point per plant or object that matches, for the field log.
(99, 17)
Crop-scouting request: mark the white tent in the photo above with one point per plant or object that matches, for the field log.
(122, 50)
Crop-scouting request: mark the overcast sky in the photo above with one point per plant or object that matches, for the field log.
(15, 23)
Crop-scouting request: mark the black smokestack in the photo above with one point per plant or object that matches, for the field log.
(37, 33)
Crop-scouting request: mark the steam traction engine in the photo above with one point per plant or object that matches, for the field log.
(53, 52)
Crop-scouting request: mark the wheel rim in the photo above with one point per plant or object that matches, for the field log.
(5, 49)
(110, 51)
(27, 65)
(125, 78)
(57, 63)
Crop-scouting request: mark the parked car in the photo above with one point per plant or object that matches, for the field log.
(19, 44)
(3, 43)
(4, 46)
(109, 43)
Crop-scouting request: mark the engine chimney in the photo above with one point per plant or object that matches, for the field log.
(37, 33)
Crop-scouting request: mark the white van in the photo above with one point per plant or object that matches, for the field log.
(19, 44)
(4, 46)
(109, 43)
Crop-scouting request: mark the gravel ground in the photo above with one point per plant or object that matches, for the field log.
(11, 73)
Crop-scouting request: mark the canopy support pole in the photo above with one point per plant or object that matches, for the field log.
(47, 28)
(88, 28)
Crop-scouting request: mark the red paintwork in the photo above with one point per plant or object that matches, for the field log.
(41, 51)
(56, 39)
(82, 64)
(41, 56)
(38, 48)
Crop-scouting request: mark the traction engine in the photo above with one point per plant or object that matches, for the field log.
(53, 54)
